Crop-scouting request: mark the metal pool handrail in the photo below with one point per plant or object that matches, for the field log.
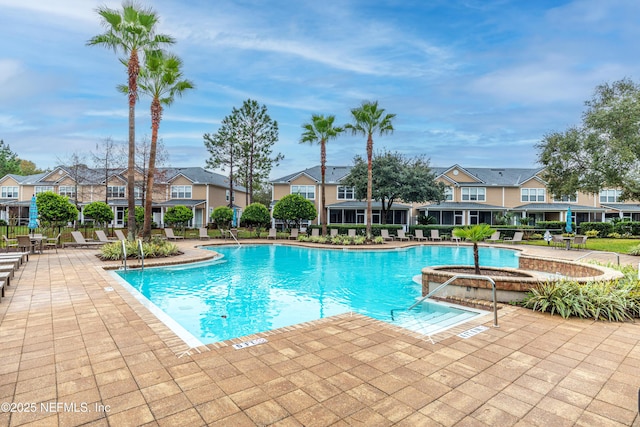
(141, 253)
(461, 276)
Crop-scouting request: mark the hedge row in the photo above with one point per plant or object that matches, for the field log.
(361, 229)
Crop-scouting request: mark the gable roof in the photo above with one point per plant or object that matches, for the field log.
(333, 175)
(199, 175)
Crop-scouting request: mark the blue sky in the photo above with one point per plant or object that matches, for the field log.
(473, 82)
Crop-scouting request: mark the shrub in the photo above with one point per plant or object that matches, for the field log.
(535, 236)
(603, 228)
(614, 235)
(360, 240)
(634, 250)
(222, 216)
(613, 301)
(156, 248)
(378, 240)
(592, 233)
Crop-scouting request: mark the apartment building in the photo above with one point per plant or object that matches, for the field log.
(472, 196)
(193, 187)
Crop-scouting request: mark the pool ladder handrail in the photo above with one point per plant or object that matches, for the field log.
(460, 276)
(233, 236)
(124, 254)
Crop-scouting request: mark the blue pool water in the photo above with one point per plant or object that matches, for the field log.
(258, 288)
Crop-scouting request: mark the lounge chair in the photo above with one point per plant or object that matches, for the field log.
(401, 236)
(517, 237)
(169, 233)
(315, 232)
(203, 233)
(9, 243)
(419, 235)
(294, 234)
(119, 234)
(385, 234)
(102, 236)
(80, 241)
(273, 234)
(495, 237)
(351, 232)
(334, 232)
(580, 242)
(435, 235)
(22, 257)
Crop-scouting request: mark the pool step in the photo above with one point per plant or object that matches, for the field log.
(429, 323)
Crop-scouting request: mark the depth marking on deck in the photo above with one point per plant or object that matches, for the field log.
(249, 343)
(471, 332)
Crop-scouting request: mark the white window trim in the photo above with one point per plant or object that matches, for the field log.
(305, 193)
(537, 190)
(353, 192)
(183, 190)
(475, 190)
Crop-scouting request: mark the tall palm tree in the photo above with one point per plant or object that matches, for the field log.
(367, 120)
(475, 234)
(130, 32)
(161, 78)
(319, 131)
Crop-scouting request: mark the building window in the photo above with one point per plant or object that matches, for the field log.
(180, 191)
(610, 196)
(306, 191)
(9, 193)
(137, 192)
(566, 199)
(346, 193)
(67, 190)
(475, 194)
(533, 194)
(448, 194)
(43, 188)
(226, 194)
(116, 191)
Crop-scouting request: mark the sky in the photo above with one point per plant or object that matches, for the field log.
(472, 82)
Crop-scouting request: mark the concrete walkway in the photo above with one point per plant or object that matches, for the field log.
(77, 349)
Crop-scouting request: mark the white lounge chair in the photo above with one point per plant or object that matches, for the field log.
(351, 232)
(294, 234)
(385, 234)
(169, 233)
(273, 234)
(80, 241)
(435, 235)
(315, 232)
(517, 237)
(401, 236)
(333, 232)
(203, 233)
(495, 237)
(119, 234)
(102, 236)
(419, 235)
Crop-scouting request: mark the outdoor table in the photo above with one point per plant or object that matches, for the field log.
(37, 241)
(568, 241)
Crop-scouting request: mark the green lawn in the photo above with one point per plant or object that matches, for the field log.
(621, 246)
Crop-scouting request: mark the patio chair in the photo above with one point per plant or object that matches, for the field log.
(203, 233)
(351, 232)
(419, 235)
(385, 234)
(580, 242)
(315, 232)
(102, 236)
(52, 242)
(517, 237)
(169, 233)
(272, 234)
(79, 241)
(557, 241)
(119, 234)
(402, 236)
(294, 234)
(9, 243)
(435, 235)
(25, 244)
(495, 237)
(334, 232)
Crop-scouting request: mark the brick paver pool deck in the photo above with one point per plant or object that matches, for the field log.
(78, 349)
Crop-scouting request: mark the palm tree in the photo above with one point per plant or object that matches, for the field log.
(161, 78)
(475, 234)
(321, 130)
(131, 31)
(367, 120)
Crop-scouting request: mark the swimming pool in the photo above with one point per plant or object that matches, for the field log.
(258, 288)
